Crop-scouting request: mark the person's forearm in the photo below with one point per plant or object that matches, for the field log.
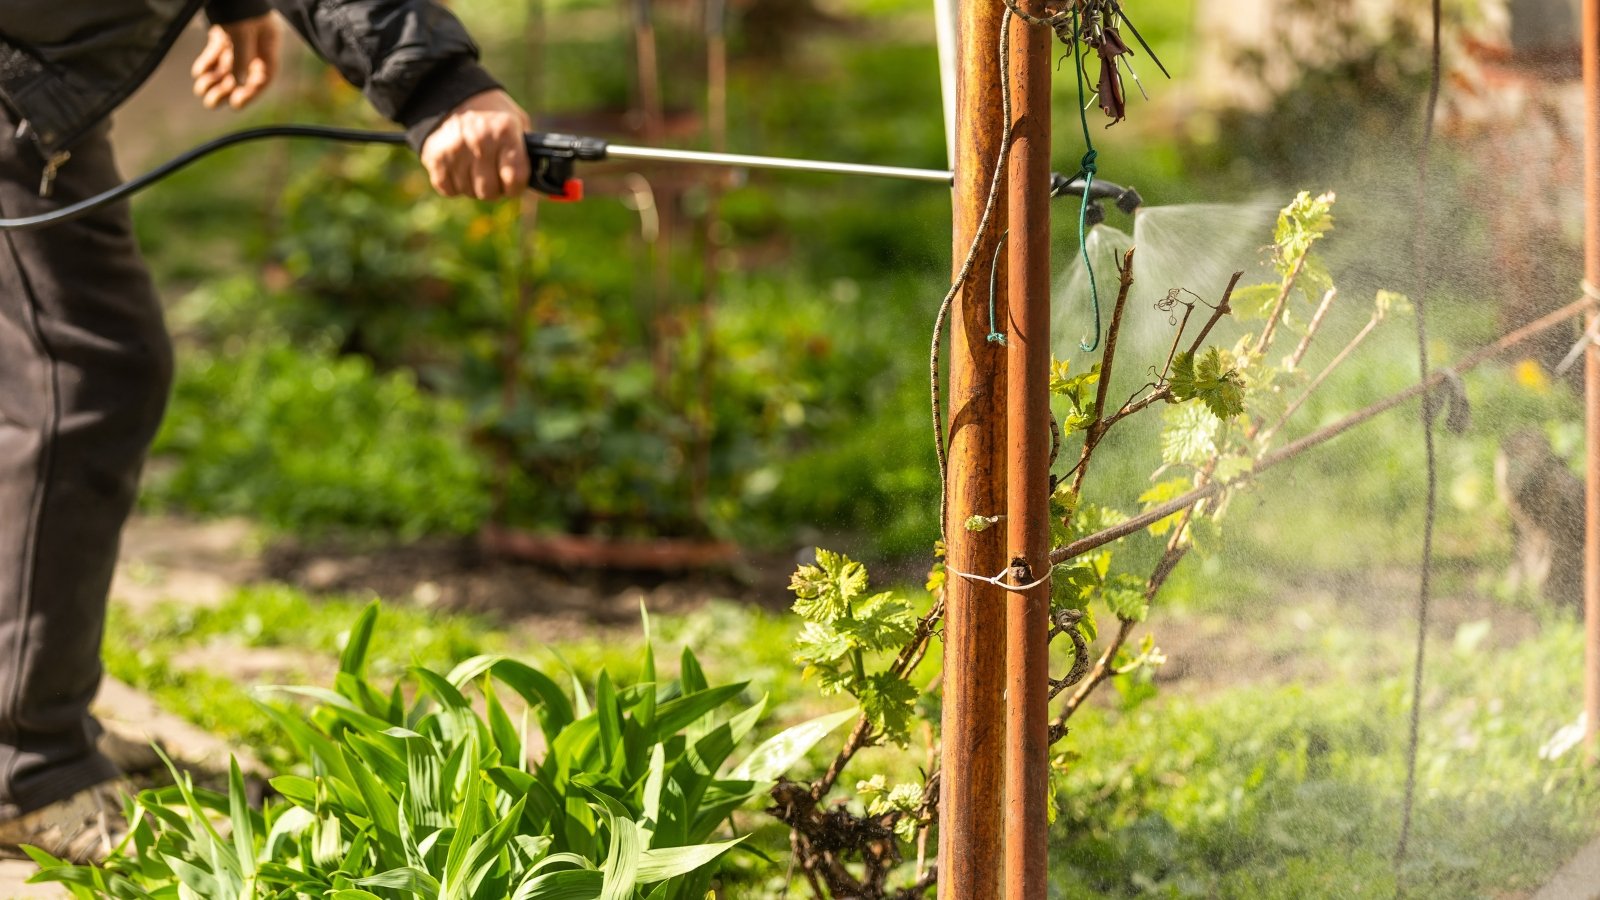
(413, 59)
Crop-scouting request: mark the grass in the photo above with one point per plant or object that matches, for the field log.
(148, 648)
(1252, 789)
(1266, 791)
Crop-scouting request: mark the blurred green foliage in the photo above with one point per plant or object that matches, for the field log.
(1293, 791)
(304, 440)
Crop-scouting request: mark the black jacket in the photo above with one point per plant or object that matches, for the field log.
(66, 64)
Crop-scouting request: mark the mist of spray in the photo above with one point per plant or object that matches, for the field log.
(1194, 246)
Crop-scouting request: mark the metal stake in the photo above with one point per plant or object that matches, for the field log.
(1028, 462)
(973, 742)
(1591, 246)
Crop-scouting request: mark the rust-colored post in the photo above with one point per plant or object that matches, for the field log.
(1591, 383)
(1028, 460)
(973, 744)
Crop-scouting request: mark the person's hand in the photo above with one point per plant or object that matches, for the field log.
(238, 63)
(478, 149)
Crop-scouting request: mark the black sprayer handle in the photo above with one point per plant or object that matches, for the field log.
(552, 158)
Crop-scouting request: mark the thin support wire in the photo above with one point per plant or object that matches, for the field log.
(1425, 585)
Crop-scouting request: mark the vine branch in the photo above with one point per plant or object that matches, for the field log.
(1323, 435)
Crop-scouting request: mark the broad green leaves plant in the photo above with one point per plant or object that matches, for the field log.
(843, 626)
(490, 780)
(1211, 380)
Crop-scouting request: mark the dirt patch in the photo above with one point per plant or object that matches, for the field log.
(1277, 640)
(258, 665)
(456, 575)
(194, 563)
(14, 875)
(198, 563)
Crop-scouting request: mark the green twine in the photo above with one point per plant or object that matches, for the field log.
(996, 336)
(1086, 170)
(1083, 247)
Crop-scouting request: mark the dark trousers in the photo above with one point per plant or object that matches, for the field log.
(85, 366)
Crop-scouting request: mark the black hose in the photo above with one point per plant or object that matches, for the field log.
(135, 185)
(552, 157)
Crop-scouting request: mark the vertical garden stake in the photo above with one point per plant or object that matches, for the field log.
(1591, 279)
(973, 742)
(1028, 459)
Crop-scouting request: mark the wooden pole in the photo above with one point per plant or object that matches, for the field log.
(973, 742)
(1591, 274)
(1028, 461)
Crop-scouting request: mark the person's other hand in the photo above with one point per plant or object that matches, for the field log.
(478, 149)
(239, 61)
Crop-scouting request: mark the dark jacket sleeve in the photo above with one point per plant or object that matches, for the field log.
(412, 59)
(226, 12)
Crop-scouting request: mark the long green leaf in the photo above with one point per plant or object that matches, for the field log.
(610, 716)
(480, 858)
(653, 784)
(353, 661)
(670, 862)
(675, 715)
(779, 754)
(690, 673)
(239, 814)
(621, 868)
(381, 808)
(535, 687)
(300, 791)
(507, 739)
(569, 884)
(339, 704)
(406, 878)
(645, 712)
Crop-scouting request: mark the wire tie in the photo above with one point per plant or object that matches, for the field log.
(996, 336)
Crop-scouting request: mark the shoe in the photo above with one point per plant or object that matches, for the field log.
(82, 829)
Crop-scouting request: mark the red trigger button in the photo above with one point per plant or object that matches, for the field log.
(572, 191)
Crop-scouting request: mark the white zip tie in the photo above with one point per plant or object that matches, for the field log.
(997, 582)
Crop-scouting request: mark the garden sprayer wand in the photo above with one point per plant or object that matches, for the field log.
(554, 159)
